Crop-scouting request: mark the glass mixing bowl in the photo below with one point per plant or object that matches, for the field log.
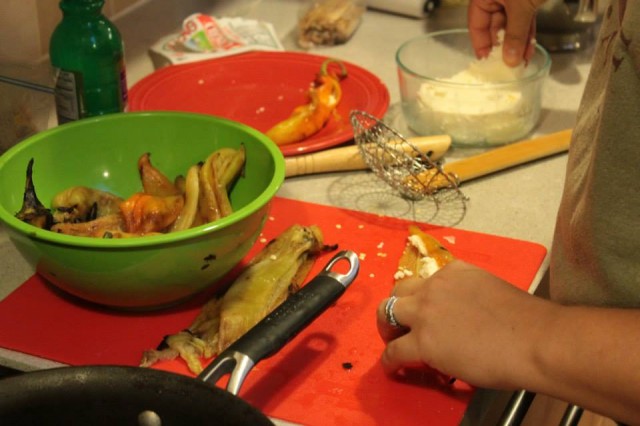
(472, 113)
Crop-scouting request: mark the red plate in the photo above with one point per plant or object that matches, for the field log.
(259, 89)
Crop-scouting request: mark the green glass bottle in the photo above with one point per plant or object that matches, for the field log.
(86, 51)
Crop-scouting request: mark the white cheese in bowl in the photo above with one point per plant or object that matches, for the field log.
(472, 108)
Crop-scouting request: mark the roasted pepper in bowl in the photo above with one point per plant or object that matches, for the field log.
(307, 120)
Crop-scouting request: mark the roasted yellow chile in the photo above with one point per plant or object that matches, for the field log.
(307, 120)
(278, 270)
(143, 213)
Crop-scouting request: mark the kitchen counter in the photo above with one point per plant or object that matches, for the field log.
(519, 203)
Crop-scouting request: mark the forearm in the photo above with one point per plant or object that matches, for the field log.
(469, 324)
(589, 357)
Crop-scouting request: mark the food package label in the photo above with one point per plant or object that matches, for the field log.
(205, 37)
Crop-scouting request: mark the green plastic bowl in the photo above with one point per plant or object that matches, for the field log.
(102, 152)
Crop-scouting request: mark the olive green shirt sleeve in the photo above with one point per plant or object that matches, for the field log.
(595, 258)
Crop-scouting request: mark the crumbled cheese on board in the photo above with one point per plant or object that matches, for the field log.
(402, 273)
(450, 239)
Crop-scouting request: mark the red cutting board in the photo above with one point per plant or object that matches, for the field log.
(330, 373)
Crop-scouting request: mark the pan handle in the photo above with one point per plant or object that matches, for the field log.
(283, 324)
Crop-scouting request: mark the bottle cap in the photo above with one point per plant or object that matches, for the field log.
(81, 4)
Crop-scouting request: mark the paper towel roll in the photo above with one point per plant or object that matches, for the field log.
(415, 8)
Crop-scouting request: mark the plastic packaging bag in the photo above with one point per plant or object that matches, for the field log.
(329, 22)
(206, 37)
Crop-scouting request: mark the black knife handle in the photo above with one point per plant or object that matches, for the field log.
(299, 310)
(283, 324)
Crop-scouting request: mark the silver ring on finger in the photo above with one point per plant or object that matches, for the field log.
(388, 312)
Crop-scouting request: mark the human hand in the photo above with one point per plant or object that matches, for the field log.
(517, 17)
(465, 323)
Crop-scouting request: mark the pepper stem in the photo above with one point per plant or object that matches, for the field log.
(324, 68)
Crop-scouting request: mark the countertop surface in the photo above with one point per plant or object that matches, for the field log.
(519, 203)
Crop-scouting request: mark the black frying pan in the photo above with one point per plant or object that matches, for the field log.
(117, 395)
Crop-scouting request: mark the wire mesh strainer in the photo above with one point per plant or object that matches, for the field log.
(399, 163)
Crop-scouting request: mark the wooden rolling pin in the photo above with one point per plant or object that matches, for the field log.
(494, 160)
(349, 158)
(510, 155)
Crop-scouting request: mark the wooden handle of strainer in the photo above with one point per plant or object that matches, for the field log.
(510, 155)
(349, 158)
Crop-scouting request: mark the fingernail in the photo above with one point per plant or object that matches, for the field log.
(511, 52)
(511, 56)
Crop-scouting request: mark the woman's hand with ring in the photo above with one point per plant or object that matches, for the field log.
(448, 320)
